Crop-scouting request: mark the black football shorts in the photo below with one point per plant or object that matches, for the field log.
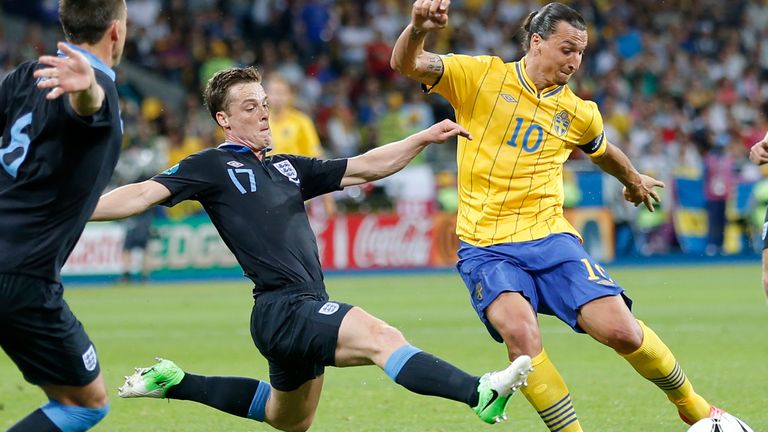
(41, 335)
(296, 329)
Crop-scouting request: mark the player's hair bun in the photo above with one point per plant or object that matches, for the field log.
(529, 20)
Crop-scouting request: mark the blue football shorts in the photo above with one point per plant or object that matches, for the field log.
(555, 274)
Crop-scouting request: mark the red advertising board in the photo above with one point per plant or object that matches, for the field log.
(374, 241)
(380, 241)
(354, 242)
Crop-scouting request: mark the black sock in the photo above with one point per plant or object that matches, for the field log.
(232, 395)
(36, 421)
(428, 375)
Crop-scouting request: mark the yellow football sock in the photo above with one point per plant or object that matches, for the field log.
(656, 363)
(549, 395)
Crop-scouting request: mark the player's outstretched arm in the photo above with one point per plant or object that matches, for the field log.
(72, 75)
(638, 188)
(408, 55)
(391, 158)
(130, 200)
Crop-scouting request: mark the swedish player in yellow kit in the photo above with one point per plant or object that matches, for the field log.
(519, 255)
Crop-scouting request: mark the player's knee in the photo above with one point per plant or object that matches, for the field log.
(385, 336)
(97, 399)
(624, 339)
(68, 417)
(521, 337)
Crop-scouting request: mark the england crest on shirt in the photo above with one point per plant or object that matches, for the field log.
(89, 359)
(287, 170)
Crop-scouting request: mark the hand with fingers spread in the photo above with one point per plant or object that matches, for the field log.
(644, 193)
(73, 75)
(758, 154)
(68, 74)
(428, 15)
(443, 131)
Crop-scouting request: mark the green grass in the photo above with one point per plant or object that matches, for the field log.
(713, 317)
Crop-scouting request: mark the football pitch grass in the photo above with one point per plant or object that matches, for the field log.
(712, 316)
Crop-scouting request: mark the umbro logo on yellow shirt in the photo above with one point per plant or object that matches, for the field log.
(508, 98)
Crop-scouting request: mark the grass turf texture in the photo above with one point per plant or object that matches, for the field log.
(713, 317)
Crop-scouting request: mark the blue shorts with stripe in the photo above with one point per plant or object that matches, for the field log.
(555, 274)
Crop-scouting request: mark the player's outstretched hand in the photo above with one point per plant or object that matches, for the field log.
(69, 74)
(758, 154)
(428, 15)
(644, 192)
(446, 129)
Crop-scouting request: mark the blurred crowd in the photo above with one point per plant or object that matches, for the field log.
(682, 86)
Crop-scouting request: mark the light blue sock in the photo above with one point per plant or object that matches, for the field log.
(258, 409)
(73, 418)
(398, 359)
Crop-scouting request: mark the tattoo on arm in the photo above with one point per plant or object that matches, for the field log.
(416, 34)
(432, 71)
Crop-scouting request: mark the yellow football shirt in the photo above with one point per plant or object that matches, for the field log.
(511, 174)
(294, 133)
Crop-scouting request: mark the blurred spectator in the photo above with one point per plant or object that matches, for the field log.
(143, 13)
(447, 194)
(393, 122)
(219, 59)
(377, 54)
(292, 130)
(354, 35)
(144, 156)
(316, 25)
(412, 189)
(718, 186)
(343, 136)
(624, 215)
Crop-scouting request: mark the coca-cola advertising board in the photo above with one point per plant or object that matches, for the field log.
(374, 241)
(192, 247)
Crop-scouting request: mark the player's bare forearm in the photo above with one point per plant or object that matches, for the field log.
(129, 200)
(384, 161)
(391, 158)
(410, 59)
(617, 164)
(638, 188)
(87, 102)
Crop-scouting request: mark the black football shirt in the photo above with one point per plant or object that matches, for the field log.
(257, 206)
(54, 165)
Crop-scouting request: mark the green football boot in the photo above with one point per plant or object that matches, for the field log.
(153, 381)
(496, 388)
